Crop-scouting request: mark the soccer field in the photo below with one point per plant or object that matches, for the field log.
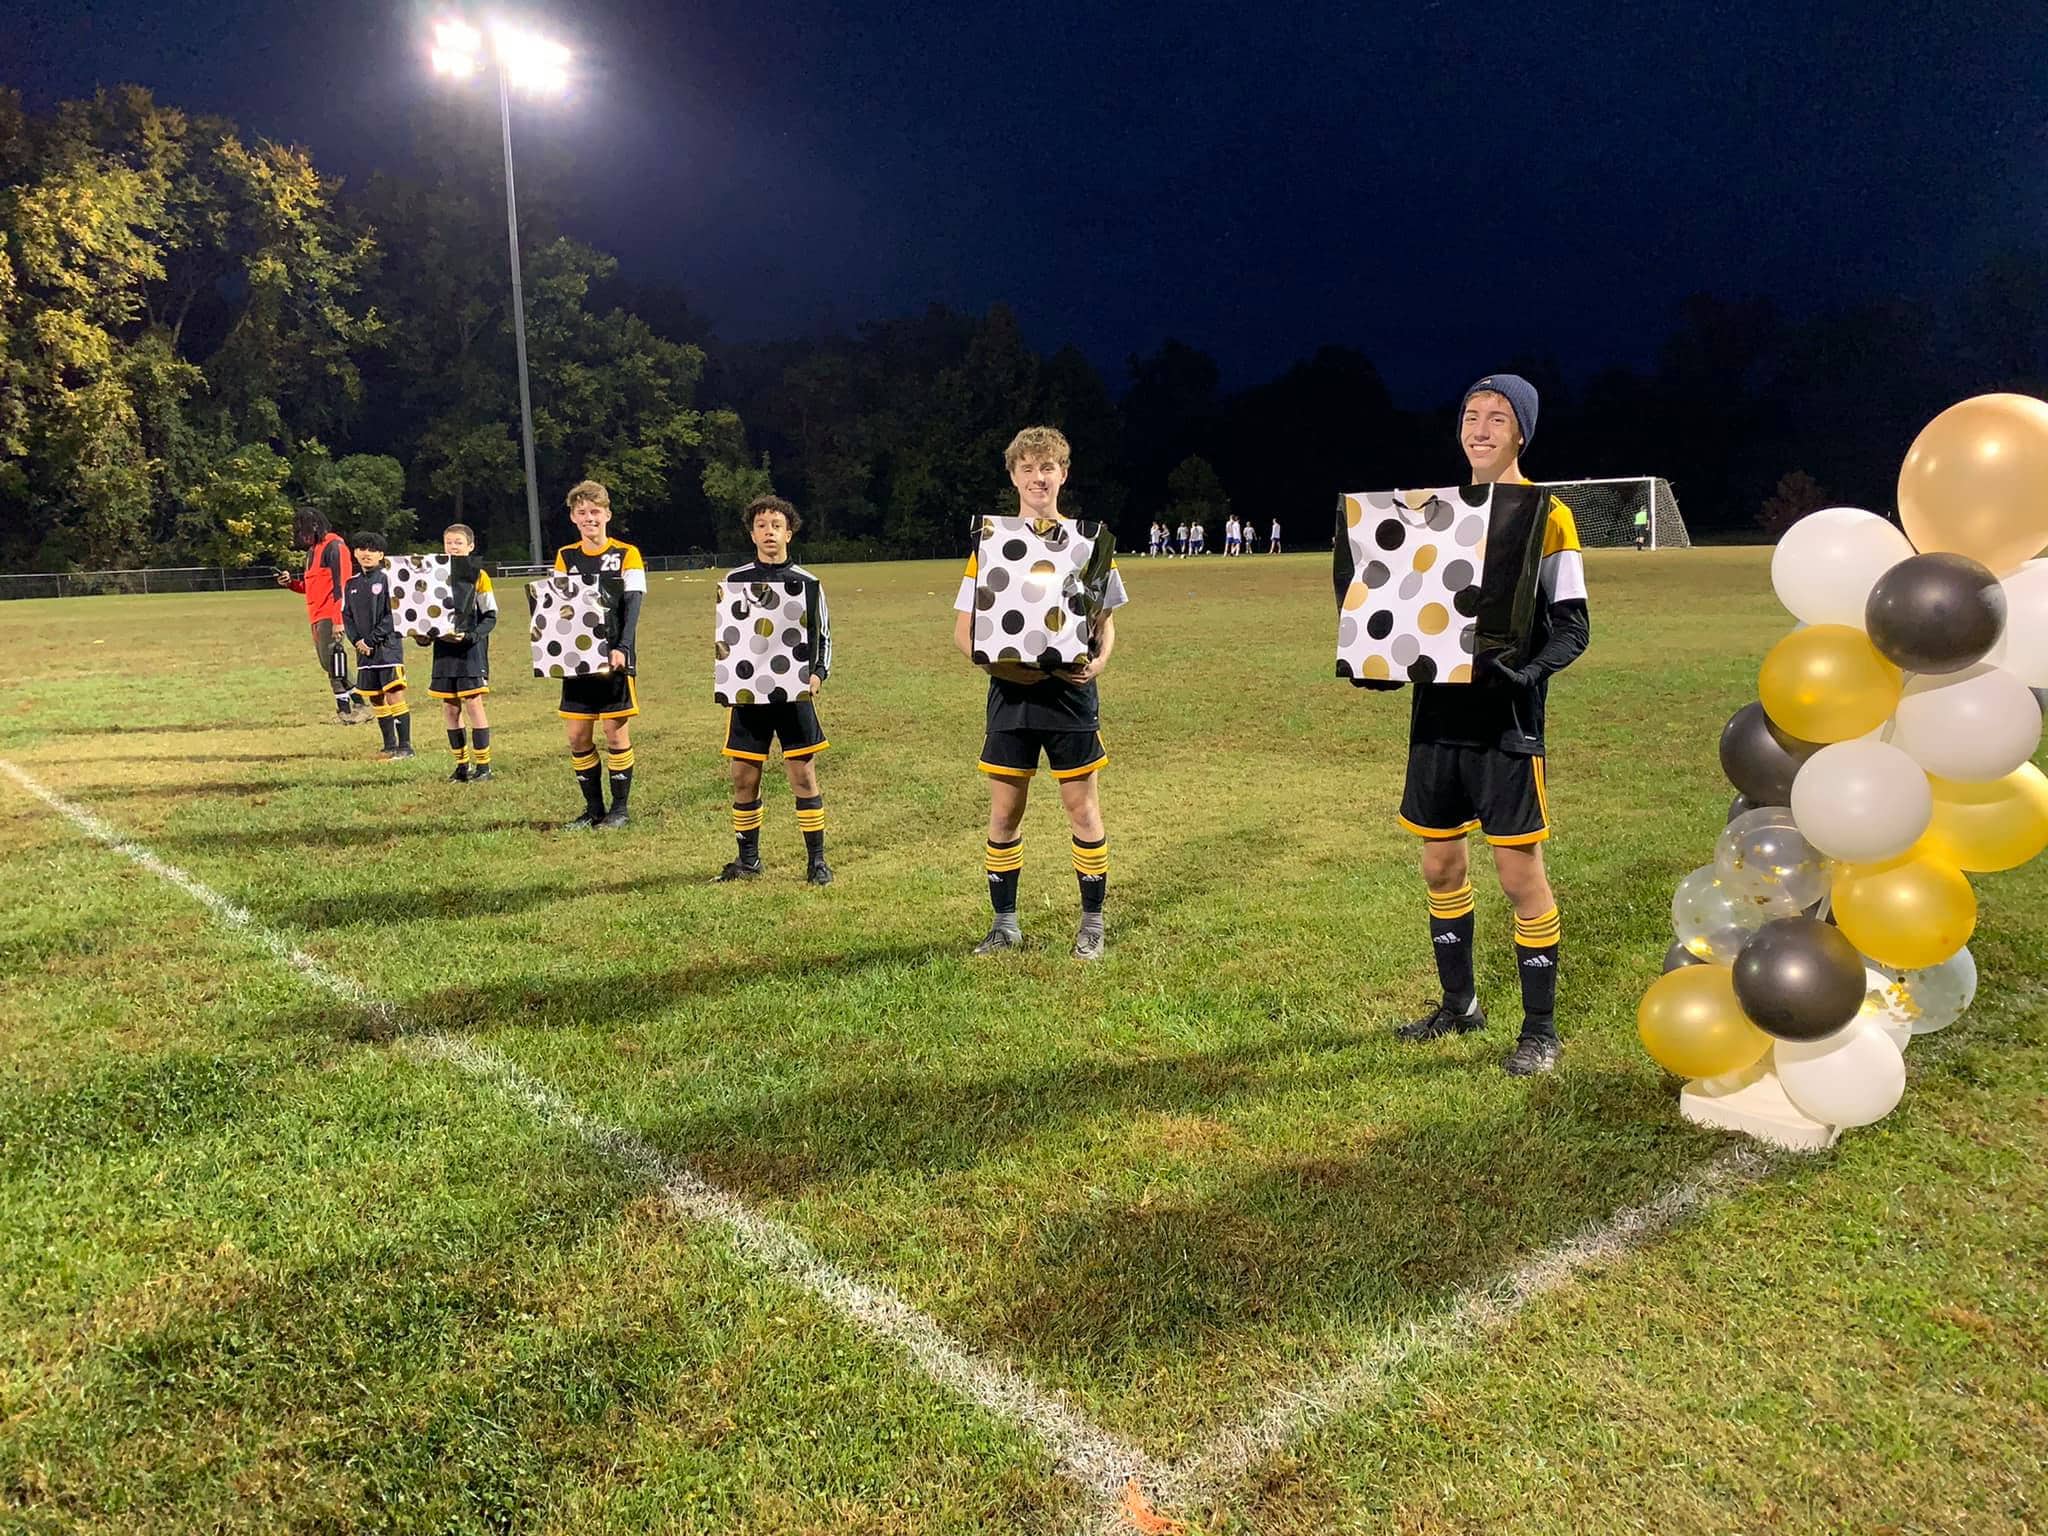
(374, 1159)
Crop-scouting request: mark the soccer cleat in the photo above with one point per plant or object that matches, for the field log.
(820, 873)
(1532, 1055)
(479, 775)
(399, 754)
(1440, 1022)
(340, 719)
(613, 821)
(737, 870)
(584, 823)
(460, 775)
(999, 939)
(1088, 943)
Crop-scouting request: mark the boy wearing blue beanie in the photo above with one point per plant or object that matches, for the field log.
(1476, 759)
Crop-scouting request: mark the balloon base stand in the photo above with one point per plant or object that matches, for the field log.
(1753, 1103)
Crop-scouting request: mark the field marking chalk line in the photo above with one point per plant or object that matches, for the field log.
(1098, 1461)
(1124, 1479)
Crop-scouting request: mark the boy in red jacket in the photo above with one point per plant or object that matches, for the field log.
(328, 569)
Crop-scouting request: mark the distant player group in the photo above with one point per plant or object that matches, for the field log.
(1180, 540)
(1475, 758)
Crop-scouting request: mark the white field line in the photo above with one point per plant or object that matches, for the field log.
(1087, 1455)
(1084, 1453)
(1233, 1453)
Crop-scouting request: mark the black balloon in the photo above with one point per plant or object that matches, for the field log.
(1759, 759)
(1799, 979)
(1678, 957)
(1741, 805)
(1935, 613)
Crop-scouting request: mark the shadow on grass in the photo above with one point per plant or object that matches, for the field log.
(1376, 1229)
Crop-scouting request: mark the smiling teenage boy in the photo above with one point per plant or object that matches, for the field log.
(604, 700)
(1476, 759)
(1032, 711)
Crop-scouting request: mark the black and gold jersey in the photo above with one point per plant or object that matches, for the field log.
(1509, 715)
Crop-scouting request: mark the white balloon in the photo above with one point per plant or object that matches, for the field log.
(1852, 1077)
(1974, 725)
(1934, 997)
(1862, 801)
(1827, 562)
(2023, 649)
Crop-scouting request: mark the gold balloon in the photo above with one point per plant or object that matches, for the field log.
(1692, 1024)
(1828, 683)
(1976, 482)
(1992, 826)
(1913, 911)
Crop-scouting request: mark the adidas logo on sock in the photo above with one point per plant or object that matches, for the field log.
(1447, 938)
(1541, 961)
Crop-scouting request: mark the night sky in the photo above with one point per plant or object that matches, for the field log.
(1442, 185)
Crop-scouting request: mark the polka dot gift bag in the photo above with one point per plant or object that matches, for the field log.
(763, 640)
(1038, 589)
(571, 620)
(1428, 580)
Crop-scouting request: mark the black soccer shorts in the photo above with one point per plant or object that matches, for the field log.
(1013, 754)
(1454, 790)
(751, 730)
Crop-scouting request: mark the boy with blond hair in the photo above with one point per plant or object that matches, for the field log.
(603, 700)
(1033, 711)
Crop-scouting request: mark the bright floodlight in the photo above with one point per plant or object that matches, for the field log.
(458, 49)
(531, 63)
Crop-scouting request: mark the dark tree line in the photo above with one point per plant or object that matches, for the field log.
(197, 330)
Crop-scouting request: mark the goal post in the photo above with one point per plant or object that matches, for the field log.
(1607, 510)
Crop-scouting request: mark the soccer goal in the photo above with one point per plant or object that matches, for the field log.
(1606, 512)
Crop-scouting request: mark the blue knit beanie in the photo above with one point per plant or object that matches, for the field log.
(1520, 394)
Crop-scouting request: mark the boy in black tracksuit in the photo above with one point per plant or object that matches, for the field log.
(367, 622)
(752, 730)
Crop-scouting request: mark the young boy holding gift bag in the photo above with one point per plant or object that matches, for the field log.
(752, 730)
(1476, 758)
(603, 700)
(462, 661)
(1032, 710)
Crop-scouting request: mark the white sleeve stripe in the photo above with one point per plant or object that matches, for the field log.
(964, 603)
(636, 580)
(1564, 577)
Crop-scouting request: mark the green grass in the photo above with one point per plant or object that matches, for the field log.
(260, 1274)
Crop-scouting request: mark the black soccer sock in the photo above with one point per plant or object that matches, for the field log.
(620, 766)
(589, 780)
(810, 820)
(458, 744)
(401, 717)
(746, 826)
(387, 724)
(344, 702)
(480, 746)
(1005, 864)
(1536, 942)
(1091, 868)
(1450, 936)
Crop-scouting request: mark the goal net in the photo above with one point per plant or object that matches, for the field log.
(1607, 512)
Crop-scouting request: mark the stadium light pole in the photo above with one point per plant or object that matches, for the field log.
(533, 64)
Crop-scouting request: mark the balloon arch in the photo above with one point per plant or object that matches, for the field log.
(1888, 757)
